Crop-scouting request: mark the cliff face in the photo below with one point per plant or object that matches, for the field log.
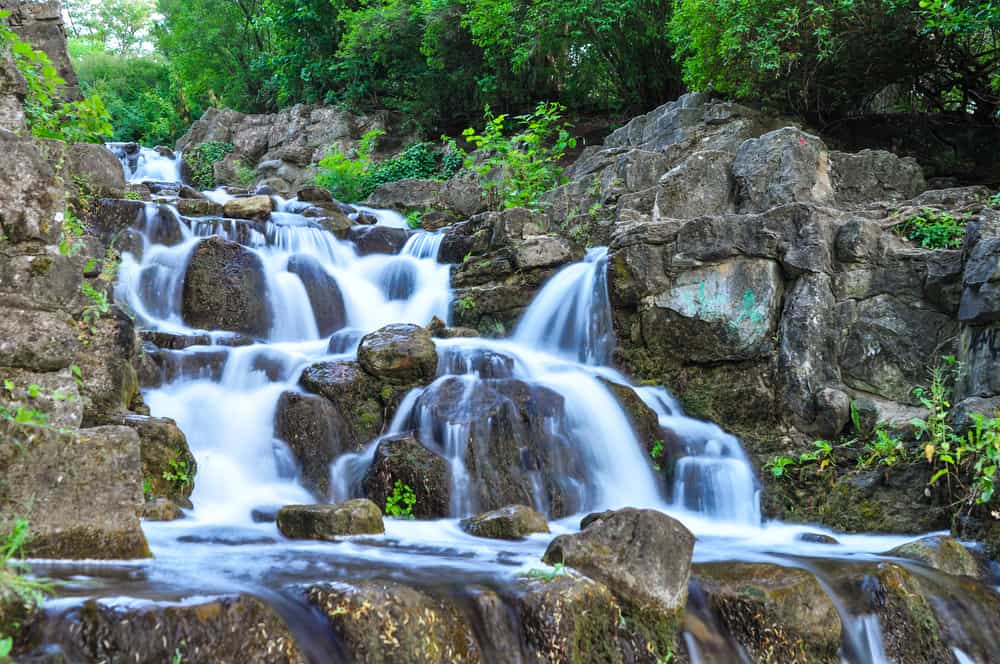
(41, 24)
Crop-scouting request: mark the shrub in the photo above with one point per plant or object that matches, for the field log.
(516, 170)
(933, 230)
(202, 159)
(85, 121)
(400, 503)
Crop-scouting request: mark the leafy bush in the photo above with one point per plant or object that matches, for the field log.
(354, 179)
(47, 116)
(516, 170)
(400, 503)
(933, 230)
(201, 162)
(29, 592)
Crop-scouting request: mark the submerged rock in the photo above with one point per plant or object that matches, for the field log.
(508, 523)
(327, 522)
(389, 623)
(225, 289)
(778, 614)
(399, 353)
(323, 291)
(377, 239)
(403, 459)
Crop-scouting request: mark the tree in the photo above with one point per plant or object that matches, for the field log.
(121, 26)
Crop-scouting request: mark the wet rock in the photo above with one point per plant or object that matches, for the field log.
(316, 433)
(328, 522)
(168, 466)
(439, 330)
(85, 489)
(356, 394)
(323, 291)
(507, 523)
(517, 447)
(403, 459)
(257, 208)
(775, 613)
(645, 423)
(781, 167)
(816, 538)
(161, 509)
(399, 353)
(225, 288)
(643, 556)
(109, 217)
(336, 223)
(33, 201)
(389, 623)
(313, 194)
(940, 552)
(377, 239)
(226, 629)
(199, 207)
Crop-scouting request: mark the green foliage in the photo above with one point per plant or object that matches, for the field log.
(516, 170)
(6, 645)
(119, 26)
(147, 488)
(24, 414)
(202, 159)
(779, 466)
(246, 176)
(883, 450)
(352, 179)
(547, 575)
(656, 454)
(72, 230)
(400, 503)
(47, 116)
(30, 592)
(179, 473)
(99, 306)
(840, 57)
(467, 303)
(413, 219)
(995, 200)
(933, 229)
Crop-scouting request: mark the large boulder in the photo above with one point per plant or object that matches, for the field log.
(316, 433)
(389, 623)
(378, 239)
(940, 552)
(324, 293)
(81, 491)
(225, 289)
(643, 556)
(257, 208)
(241, 628)
(399, 353)
(33, 201)
(89, 169)
(875, 175)
(780, 167)
(700, 185)
(359, 397)
(403, 459)
(41, 24)
(779, 614)
(168, 466)
(507, 523)
(328, 522)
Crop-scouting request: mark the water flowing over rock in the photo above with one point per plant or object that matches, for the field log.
(510, 523)
(399, 353)
(403, 459)
(327, 522)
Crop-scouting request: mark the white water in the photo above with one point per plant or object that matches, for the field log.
(148, 165)
(563, 344)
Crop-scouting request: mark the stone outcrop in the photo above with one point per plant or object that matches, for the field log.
(328, 522)
(40, 23)
(438, 202)
(510, 523)
(403, 459)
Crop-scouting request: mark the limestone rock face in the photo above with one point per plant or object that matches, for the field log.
(456, 199)
(40, 23)
(33, 202)
(84, 489)
(224, 289)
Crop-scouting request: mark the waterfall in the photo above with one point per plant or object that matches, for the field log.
(147, 164)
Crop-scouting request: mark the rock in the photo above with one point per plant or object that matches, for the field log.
(336, 223)
(316, 433)
(108, 218)
(780, 167)
(224, 288)
(107, 362)
(356, 394)
(33, 202)
(875, 175)
(40, 281)
(41, 24)
(775, 613)
(398, 353)
(963, 413)
(313, 194)
(940, 552)
(507, 523)
(328, 522)
(84, 489)
(439, 330)
(36, 340)
(168, 466)
(257, 208)
(378, 239)
(458, 198)
(980, 302)
(58, 396)
(161, 509)
(643, 556)
(816, 538)
(90, 169)
(13, 90)
(239, 628)
(700, 185)
(403, 459)
(199, 207)
(323, 291)
(389, 623)
(542, 251)
(953, 197)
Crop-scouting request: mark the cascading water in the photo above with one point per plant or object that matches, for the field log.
(147, 164)
(579, 452)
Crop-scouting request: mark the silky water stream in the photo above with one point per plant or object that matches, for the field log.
(562, 344)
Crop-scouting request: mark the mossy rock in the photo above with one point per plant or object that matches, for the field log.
(328, 522)
(940, 552)
(168, 466)
(507, 523)
(403, 459)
